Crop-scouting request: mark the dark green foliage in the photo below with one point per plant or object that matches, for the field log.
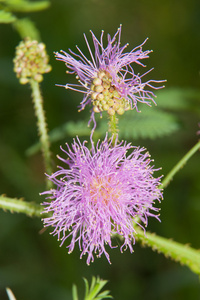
(32, 264)
(150, 123)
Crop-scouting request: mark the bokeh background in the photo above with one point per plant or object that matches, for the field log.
(31, 263)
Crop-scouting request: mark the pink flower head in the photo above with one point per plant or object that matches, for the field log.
(101, 192)
(107, 79)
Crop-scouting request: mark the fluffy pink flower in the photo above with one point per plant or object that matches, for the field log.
(108, 80)
(101, 192)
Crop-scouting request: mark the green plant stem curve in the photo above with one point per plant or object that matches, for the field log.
(180, 164)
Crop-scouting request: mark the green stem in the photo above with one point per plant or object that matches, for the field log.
(42, 127)
(183, 254)
(180, 164)
(20, 206)
(113, 126)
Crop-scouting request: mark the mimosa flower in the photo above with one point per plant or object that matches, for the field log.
(101, 192)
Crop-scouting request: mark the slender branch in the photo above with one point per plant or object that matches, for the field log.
(180, 164)
(42, 127)
(19, 206)
(183, 254)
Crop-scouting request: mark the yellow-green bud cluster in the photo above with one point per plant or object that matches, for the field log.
(31, 61)
(105, 96)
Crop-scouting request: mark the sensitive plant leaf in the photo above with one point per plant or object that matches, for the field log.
(26, 6)
(92, 293)
(149, 123)
(152, 122)
(6, 17)
(177, 98)
(26, 28)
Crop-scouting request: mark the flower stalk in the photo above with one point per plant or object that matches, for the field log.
(113, 128)
(30, 63)
(42, 127)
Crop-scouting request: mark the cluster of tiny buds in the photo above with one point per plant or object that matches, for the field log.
(31, 61)
(105, 97)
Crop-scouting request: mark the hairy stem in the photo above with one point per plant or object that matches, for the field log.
(42, 127)
(180, 164)
(20, 206)
(113, 126)
(183, 254)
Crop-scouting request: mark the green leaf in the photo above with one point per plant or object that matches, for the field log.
(26, 6)
(74, 292)
(6, 17)
(26, 28)
(150, 123)
(177, 98)
(92, 293)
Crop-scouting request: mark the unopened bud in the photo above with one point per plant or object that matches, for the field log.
(31, 61)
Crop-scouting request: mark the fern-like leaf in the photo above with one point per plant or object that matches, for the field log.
(92, 292)
(150, 123)
(177, 98)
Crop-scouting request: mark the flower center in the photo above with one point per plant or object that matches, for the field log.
(102, 189)
(105, 96)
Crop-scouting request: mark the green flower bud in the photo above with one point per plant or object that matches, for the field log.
(31, 61)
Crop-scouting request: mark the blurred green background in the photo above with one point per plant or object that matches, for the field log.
(31, 263)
